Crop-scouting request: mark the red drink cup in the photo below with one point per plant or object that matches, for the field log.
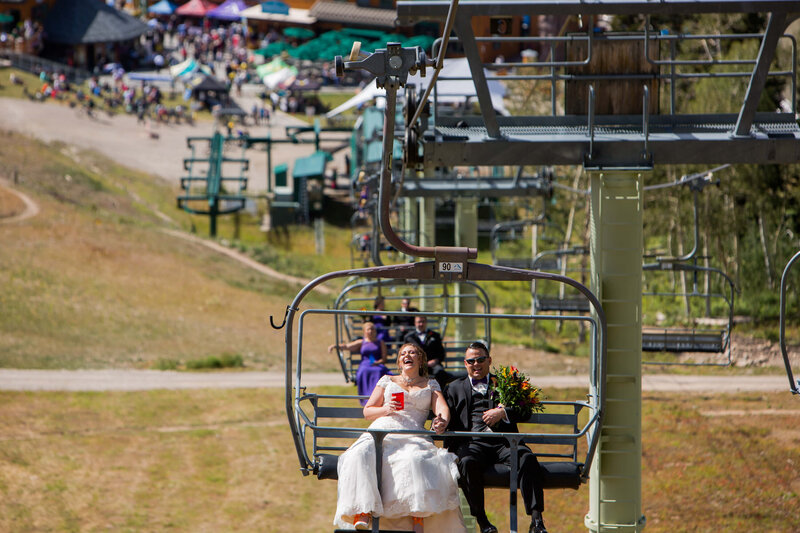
(400, 398)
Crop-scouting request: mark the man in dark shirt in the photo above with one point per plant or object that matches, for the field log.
(404, 323)
(431, 342)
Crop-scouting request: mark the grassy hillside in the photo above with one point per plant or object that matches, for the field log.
(92, 281)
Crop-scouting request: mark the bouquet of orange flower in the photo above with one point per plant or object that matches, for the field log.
(512, 388)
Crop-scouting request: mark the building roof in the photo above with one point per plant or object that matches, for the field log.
(89, 21)
(352, 14)
(294, 16)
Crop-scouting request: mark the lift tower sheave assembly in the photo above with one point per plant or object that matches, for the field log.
(616, 148)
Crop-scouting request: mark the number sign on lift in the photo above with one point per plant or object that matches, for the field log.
(451, 267)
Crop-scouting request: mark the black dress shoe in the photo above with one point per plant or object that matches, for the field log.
(537, 526)
(487, 527)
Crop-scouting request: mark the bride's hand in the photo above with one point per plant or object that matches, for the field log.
(391, 406)
(439, 424)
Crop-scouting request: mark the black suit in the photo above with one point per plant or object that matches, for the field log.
(476, 454)
(405, 323)
(434, 349)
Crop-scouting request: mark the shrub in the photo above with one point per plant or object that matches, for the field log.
(213, 361)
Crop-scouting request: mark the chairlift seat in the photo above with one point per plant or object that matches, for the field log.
(576, 304)
(562, 473)
(684, 341)
(556, 474)
(513, 262)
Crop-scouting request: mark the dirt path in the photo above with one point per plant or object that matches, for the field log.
(255, 265)
(31, 208)
(138, 380)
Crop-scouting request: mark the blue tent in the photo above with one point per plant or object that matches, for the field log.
(228, 10)
(164, 7)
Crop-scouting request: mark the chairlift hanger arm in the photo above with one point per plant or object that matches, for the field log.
(391, 65)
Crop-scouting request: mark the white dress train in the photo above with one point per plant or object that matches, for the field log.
(419, 479)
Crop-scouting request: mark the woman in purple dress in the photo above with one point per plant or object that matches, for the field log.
(373, 355)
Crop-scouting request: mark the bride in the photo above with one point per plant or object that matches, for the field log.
(419, 480)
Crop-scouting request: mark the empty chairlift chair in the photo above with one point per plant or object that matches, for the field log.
(567, 261)
(702, 313)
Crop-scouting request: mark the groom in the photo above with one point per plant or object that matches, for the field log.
(472, 409)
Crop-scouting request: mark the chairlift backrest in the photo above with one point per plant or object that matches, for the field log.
(358, 297)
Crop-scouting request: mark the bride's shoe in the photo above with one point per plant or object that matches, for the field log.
(417, 524)
(361, 521)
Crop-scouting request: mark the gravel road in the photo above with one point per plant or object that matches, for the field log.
(120, 138)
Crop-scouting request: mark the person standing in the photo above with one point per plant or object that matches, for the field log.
(473, 408)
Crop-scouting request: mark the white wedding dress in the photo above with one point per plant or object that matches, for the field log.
(419, 479)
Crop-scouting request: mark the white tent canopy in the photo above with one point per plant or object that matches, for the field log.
(448, 91)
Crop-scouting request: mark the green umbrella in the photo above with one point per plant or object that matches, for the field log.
(298, 33)
(5, 19)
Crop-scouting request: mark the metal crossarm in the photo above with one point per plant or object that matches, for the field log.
(598, 140)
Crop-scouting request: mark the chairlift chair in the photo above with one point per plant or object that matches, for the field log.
(512, 233)
(310, 420)
(794, 386)
(322, 425)
(692, 339)
(689, 337)
(560, 260)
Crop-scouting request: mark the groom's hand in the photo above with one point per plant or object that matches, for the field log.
(493, 416)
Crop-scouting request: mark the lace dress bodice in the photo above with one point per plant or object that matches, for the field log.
(417, 404)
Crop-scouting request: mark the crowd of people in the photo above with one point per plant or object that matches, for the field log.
(27, 37)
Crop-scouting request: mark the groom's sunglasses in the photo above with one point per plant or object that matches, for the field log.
(478, 360)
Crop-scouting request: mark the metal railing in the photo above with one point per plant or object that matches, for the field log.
(35, 65)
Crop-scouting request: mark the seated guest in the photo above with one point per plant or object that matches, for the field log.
(373, 355)
(474, 408)
(405, 323)
(431, 342)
